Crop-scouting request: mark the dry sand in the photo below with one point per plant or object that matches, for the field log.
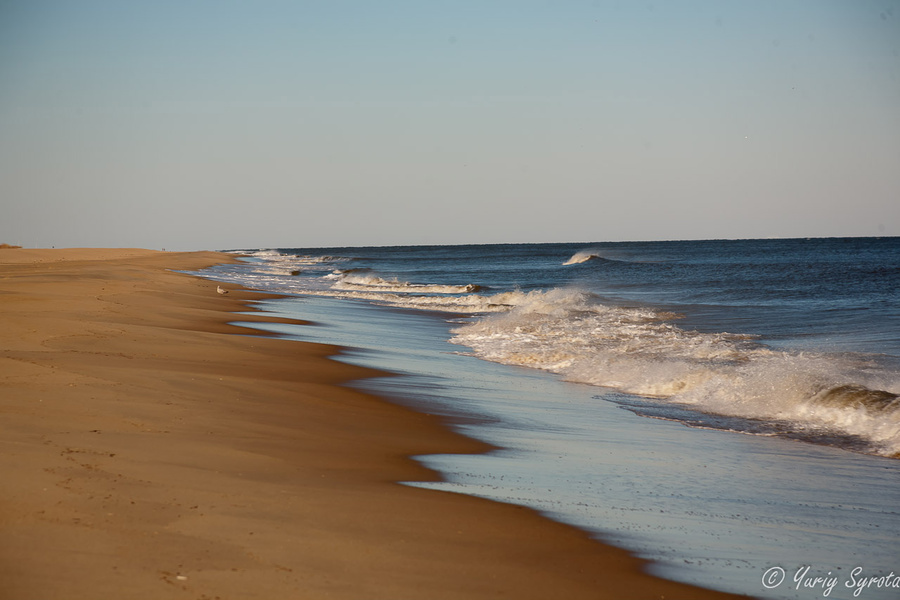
(149, 450)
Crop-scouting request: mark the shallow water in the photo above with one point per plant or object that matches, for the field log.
(708, 506)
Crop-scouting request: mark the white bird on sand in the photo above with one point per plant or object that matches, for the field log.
(220, 290)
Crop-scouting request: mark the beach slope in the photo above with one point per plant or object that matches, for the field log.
(150, 450)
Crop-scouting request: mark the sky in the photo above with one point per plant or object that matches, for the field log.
(217, 124)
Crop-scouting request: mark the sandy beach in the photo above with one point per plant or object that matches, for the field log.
(150, 450)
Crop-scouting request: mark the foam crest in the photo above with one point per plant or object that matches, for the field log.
(641, 352)
(365, 280)
(276, 256)
(581, 257)
(278, 263)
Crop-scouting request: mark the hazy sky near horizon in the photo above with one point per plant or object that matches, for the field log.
(195, 124)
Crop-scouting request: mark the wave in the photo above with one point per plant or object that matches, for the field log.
(366, 280)
(276, 262)
(582, 257)
(466, 304)
(856, 396)
(275, 255)
(641, 352)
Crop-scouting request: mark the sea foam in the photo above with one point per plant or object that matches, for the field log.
(581, 257)
(642, 352)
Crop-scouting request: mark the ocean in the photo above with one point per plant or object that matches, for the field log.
(727, 409)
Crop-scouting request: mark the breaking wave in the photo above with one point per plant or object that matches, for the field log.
(581, 257)
(365, 280)
(641, 352)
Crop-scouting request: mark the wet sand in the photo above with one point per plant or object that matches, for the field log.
(151, 450)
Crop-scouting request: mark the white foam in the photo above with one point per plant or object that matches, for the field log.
(581, 257)
(368, 282)
(641, 352)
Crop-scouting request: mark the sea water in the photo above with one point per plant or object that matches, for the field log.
(769, 370)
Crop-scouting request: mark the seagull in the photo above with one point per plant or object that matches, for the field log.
(220, 290)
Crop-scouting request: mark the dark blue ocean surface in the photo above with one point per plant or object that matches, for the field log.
(842, 291)
(782, 357)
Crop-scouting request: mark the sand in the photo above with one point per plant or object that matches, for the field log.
(150, 450)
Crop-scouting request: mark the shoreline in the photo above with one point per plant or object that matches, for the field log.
(152, 453)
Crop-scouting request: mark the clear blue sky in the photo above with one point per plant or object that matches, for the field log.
(195, 124)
